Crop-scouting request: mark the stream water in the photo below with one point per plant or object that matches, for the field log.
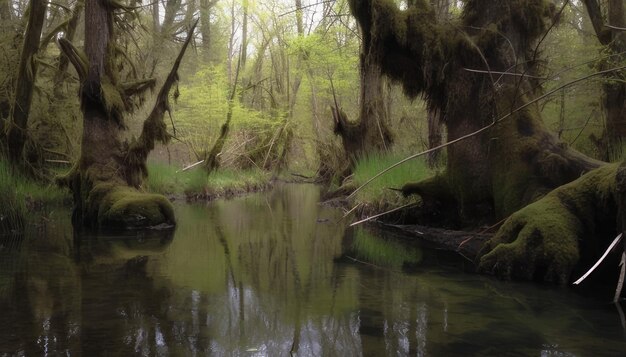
(272, 274)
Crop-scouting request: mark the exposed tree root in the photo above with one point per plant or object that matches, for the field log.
(547, 240)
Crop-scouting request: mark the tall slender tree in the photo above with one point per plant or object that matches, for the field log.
(27, 74)
(609, 24)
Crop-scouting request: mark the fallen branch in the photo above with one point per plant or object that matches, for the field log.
(382, 214)
(613, 244)
(620, 281)
(190, 166)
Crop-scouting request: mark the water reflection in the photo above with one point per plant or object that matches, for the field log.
(274, 275)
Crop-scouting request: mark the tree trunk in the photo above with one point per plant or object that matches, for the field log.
(615, 85)
(615, 88)
(27, 74)
(5, 10)
(244, 37)
(64, 62)
(509, 164)
(109, 171)
(370, 133)
(205, 30)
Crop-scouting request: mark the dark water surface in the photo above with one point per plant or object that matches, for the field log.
(271, 274)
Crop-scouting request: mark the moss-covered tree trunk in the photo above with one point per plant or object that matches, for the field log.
(517, 161)
(27, 74)
(70, 32)
(370, 132)
(107, 178)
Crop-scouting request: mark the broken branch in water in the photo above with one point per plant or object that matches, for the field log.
(613, 244)
(382, 214)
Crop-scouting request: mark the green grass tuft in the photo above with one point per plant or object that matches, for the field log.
(377, 195)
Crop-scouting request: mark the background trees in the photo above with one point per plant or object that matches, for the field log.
(297, 60)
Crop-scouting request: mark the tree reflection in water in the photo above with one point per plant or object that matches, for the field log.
(273, 275)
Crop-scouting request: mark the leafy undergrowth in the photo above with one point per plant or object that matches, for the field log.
(195, 184)
(381, 194)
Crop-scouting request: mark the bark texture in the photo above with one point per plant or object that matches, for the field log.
(517, 161)
(106, 182)
(369, 133)
(610, 32)
(27, 74)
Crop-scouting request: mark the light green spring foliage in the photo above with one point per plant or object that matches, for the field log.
(378, 194)
(203, 105)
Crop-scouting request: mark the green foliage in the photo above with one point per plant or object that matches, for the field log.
(378, 196)
(202, 109)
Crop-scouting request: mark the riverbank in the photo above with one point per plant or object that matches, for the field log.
(383, 194)
(196, 185)
(22, 196)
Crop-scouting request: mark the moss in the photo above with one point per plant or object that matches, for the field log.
(125, 207)
(547, 239)
(112, 99)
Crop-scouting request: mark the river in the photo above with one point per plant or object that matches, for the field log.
(274, 274)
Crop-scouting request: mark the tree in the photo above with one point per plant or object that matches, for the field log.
(612, 35)
(205, 25)
(481, 74)
(27, 73)
(370, 132)
(106, 180)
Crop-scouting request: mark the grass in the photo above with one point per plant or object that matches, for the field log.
(195, 183)
(377, 196)
(21, 195)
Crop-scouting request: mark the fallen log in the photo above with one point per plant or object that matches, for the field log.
(467, 244)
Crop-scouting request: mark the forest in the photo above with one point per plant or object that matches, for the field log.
(305, 155)
(492, 129)
(115, 106)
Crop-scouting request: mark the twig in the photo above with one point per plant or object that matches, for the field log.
(306, 6)
(505, 73)
(584, 127)
(352, 210)
(620, 281)
(382, 214)
(483, 129)
(615, 241)
(59, 162)
(616, 28)
(190, 166)
(481, 232)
